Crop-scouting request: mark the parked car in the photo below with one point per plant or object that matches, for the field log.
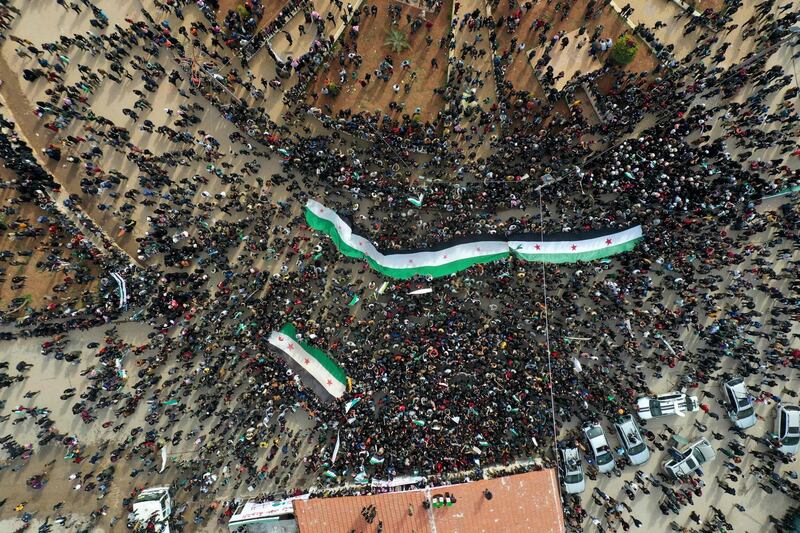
(740, 404)
(603, 456)
(787, 428)
(689, 460)
(631, 438)
(572, 471)
(670, 403)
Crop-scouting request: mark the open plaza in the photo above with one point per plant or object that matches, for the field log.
(397, 266)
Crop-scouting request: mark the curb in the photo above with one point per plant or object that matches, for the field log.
(77, 216)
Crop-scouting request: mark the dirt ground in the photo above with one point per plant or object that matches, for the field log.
(582, 99)
(520, 71)
(271, 10)
(377, 95)
(38, 287)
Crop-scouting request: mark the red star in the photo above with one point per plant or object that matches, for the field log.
(574, 247)
(361, 243)
(306, 361)
(410, 260)
(280, 339)
(330, 382)
(538, 247)
(445, 256)
(291, 346)
(479, 249)
(608, 242)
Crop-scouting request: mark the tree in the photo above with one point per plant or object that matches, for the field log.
(333, 89)
(624, 50)
(396, 41)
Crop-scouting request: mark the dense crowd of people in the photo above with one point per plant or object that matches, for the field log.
(449, 383)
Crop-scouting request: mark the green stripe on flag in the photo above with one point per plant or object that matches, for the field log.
(327, 227)
(326, 362)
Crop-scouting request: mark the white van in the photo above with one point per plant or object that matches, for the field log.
(152, 506)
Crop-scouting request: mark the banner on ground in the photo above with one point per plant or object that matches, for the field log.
(453, 256)
(313, 361)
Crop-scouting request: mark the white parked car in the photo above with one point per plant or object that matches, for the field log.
(689, 460)
(787, 428)
(603, 456)
(631, 438)
(572, 471)
(670, 403)
(740, 405)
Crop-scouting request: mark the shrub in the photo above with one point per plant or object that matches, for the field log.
(396, 41)
(624, 50)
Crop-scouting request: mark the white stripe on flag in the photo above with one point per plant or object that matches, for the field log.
(123, 292)
(578, 246)
(335, 449)
(307, 362)
(410, 260)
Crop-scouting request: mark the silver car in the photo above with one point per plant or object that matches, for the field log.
(740, 405)
(689, 460)
(603, 456)
(787, 428)
(631, 438)
(572, 471)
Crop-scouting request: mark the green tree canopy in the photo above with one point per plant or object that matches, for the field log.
(396, 41)
(624, 50)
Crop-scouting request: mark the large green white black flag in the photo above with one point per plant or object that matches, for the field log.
(454, 256)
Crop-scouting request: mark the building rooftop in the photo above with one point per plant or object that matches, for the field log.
(520, 503)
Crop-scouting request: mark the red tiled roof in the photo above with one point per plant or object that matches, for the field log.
(520, 503)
